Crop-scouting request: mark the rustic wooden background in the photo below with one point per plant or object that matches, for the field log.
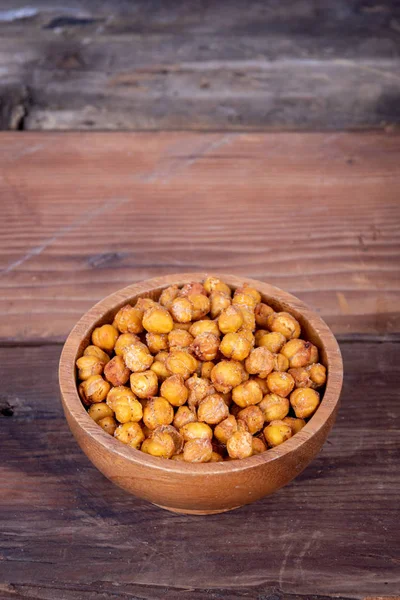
(199, 64)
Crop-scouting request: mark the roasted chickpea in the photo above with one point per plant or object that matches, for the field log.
(284, 323)
(225, 429)
(226, 375)
(206, 369)
(242, 425)
(262, 312)
(249, 320)
(213, 284)
(137, 357)
(199, 389)
(157, 342)
(145, 384)
(161, 444)
(178, 457)
(274, 407)
(193, 289)
(130, 434)
(212, 410)
(124, 341)
(281, 363)
(174, 433)
(235, 346)
(174, 390)
(144, 304)
(158, 411)
(198, 451)
(240, 445)
(98, 352)
(230, 320)
(244, 300)
(105, 337)
(204, 326)
(127, 408)
(194, 431)
(300, 353)
(280, 383)
(129, 319)
(179, 338)
(253, 417)
(218, 303)
(263, 385)
(108, 424)
(276, 433)
(183, 416)
(168, 295)
(182, 326)
(258, 445)
(273, 341)
(260, 362)
(88, 366)
(93, 389)
(116, 372)
(181, 309)
(119, 394)
(301, 376)
(181, 363)
(247, 393)
(157, 320)
(205, 346)
(99, 411)
(200, 306)
(159, 368)
(216, 457)
(249, 291)
(296, 425)
(304, 402)
(317, 374)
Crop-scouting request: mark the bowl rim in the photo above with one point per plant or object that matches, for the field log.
(73, 404)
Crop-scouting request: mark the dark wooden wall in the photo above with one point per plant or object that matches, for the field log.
(203, 65)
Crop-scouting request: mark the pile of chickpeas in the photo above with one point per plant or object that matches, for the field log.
(202, 375)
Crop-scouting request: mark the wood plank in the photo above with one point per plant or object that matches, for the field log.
(86, 214)
(119, 65)
(67, 532)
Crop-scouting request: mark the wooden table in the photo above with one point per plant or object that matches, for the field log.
(85, 214)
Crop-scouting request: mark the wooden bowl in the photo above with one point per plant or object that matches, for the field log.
(211, 487)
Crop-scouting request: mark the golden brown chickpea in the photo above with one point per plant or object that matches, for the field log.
(137, 357)
(183, 416)
(253, 417)
(249, 320)
(129, 319)
(123, 341)
(260, 362)
(262, 312)
(120, 394)
(225, 429)
(242, 425)
(296, 425)
(200, 306)
(108, 424)
(300, 353)
(204, 326)
(168, 295)
(174, 433)
(88, 366)
(240, 445)
(263, 385)
(105, 337)
(212, 410)
(272, 340)
(174, 390)
(181, 363)
(235, 346)
(144, 304)
(274, 407)
(247, 393)
(116, 372)
(194, 431)
(248, 335)
(130, 434)
(213, 284)
(304, 402)
(162, 356)
(205, 346)
(158, 411)
(230, 320)
(277, 432)
(160, 445)
(216, 457)
(99, 411)
(127, 408)
(178, 457)
(192, 289)
(93, 389)
(181, 309)
(301, 376)
(280, 383)
(249, 291)
(197, 451)
(258, 446)
(226, 375)
(182, 326)
(244, 300)
(285, 324)
(206, 369)
(179, 338)
(157, 320)
(199, 388)
(317, 375)
(281, 363)
(156, 342)
(218, 303)
(159, 368)
(98, 352)
(145, 384)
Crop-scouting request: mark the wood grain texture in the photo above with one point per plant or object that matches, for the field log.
(84, 214)
(203, 65)
(67, 532)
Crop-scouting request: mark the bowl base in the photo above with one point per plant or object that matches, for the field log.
(184, 511)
